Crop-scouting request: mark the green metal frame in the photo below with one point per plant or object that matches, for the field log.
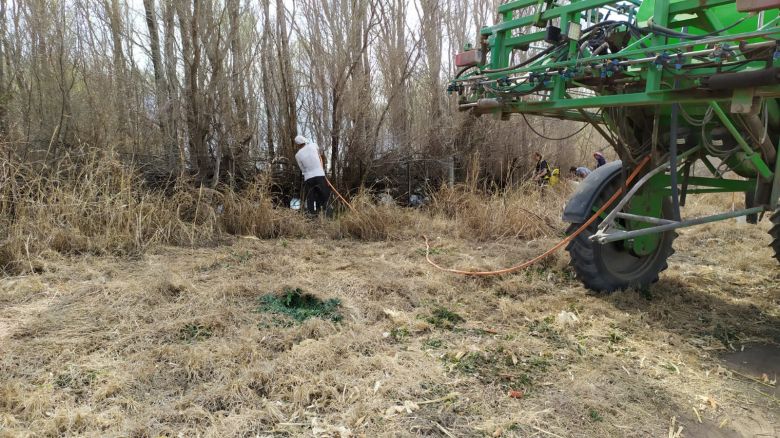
(646, 78)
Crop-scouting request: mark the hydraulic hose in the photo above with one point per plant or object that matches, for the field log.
(550, 251)
(658, 29)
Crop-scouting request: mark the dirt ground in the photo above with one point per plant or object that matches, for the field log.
(173, 344)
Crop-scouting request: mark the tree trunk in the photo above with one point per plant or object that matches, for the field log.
(162, 98)
(3, 91)
(172, 107)
(197, 124)
(266, 72)
(115, 21)
(432, 37)
(242, 134)
(335, 133)
(290, 122)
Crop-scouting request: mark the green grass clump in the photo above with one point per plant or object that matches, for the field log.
(195, 333)
(444, 318)
(300, 306)
(595, 416)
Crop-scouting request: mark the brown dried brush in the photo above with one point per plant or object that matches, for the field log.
(369, 220)
(525, 212)
(87, 203)
(251, 212)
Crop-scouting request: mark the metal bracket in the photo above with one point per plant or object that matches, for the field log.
(742, 101)
(614, 236)
(609, 221)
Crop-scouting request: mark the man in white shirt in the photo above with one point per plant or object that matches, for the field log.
(316, 189)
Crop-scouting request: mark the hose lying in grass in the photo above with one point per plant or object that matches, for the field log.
(550, 251)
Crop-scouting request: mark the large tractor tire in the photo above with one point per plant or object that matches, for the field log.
(775, 233)
(614, 266)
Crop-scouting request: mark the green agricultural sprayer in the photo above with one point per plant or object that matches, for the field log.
(683, 90)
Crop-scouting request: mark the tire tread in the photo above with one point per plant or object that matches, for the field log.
(775, 233)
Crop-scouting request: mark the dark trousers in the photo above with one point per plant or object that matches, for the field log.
(317, 195)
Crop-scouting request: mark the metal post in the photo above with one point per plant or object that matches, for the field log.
(646, 219)
(451, 171)
(775, 196)
(673, 160)
(661, 17)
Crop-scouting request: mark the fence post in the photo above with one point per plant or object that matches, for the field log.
(451, 170)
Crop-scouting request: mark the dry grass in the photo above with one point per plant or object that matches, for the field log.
(171, 342)
(93, 204)
(372, 221)
(527, 212)
(89, 204)
(251, 212)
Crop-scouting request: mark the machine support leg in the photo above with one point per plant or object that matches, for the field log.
(610, 219)
(614, 236)
(774, 199)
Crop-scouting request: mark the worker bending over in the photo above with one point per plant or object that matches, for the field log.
(580, 172)
(316, 190)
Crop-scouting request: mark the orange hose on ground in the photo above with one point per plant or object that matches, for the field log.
(339, 195)
(560, 244)
(322, 163)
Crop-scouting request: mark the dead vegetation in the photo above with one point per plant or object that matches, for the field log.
(174, 341)
(89, 204)
(526, 212)
(93, 204)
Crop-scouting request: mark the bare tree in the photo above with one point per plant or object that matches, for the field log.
(211, 88)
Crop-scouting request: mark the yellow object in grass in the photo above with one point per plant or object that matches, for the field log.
(555, 177)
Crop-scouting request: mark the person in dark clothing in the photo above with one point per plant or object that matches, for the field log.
(541, 171)
(317, 195)
(600, 160)
(315, 186)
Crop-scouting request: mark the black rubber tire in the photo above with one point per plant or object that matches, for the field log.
(775, 233)
(611, 267)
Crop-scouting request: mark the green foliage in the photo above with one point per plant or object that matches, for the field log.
(594, 415)
(433, 343)
(444, 318)
(499, 366)
(195, 332)
(300, 306)
(241, 256)
(432, 251)
(546, 329)
(399, 334)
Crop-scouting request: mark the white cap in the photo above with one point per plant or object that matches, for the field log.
(301, 140)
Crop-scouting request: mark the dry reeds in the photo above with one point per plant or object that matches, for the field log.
(251, 212)
(526, 212)
(92, 203)
(89, 204)
(368, 220)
